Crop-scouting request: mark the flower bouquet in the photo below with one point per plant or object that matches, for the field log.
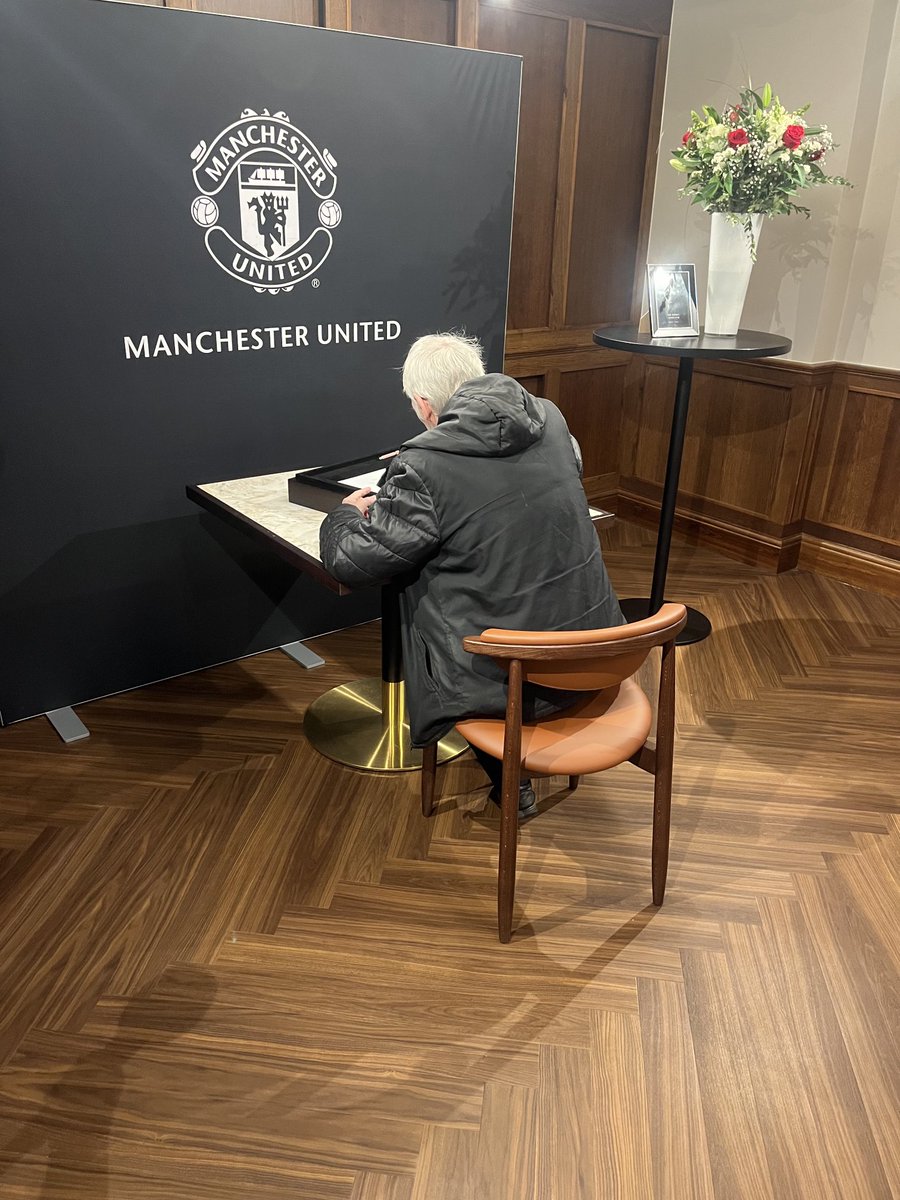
(748, 163)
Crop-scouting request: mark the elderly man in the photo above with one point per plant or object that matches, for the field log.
(483, 522)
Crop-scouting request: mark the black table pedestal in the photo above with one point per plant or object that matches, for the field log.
(747, 343)
(364, 724)
(698, 626)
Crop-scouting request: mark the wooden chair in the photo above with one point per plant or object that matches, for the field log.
(610, 726)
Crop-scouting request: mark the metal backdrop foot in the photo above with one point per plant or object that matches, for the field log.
(69, 726)
(303, 655)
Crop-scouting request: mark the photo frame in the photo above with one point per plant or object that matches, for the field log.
(672, 291)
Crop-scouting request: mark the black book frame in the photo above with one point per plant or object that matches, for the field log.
(322, 489)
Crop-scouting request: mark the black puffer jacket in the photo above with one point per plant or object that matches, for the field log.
(483, 522)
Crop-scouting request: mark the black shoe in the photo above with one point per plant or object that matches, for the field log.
(527, 799)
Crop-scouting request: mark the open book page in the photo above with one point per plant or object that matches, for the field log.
(368, 480)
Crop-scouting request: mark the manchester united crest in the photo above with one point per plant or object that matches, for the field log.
(266, 201)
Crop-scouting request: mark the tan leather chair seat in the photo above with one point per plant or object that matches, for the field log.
(575, 743)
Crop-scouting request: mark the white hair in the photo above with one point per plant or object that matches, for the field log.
(440, 363)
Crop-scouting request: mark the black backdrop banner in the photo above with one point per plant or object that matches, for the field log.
(219, 238)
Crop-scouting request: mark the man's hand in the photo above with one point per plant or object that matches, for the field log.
(361, 500)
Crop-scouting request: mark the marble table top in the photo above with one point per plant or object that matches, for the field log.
(263, 499)
(259, 505)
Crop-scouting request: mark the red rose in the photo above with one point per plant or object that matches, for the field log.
(815, 157)
(687, 137)
(793, 136)
(738, 137)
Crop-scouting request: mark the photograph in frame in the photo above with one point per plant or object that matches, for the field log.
(672, 291)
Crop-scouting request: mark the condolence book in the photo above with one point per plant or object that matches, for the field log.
(324, 488)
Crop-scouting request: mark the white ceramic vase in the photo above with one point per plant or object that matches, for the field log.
(730, 265)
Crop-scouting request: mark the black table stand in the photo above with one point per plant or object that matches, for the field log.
(697, 627)
(746, 343)
(364, 724)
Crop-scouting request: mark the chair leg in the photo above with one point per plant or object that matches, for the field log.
(662, 769)
(509, 832)
(573, 782)
(662, 807)
(509, 800)
(429, 771)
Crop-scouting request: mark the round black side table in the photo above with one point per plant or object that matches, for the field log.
(746, 343)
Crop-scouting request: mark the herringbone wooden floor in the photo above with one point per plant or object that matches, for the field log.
(231, 969)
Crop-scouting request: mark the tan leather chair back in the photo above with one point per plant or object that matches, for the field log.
(587, 675)
(582, 660)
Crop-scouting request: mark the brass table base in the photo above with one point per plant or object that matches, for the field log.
(363, 725)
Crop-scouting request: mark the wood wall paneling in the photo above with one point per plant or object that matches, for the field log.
(591, 402)
(649, 16)
(549, 341)
(616, 108)
(337, 14)
(783, 464)
(862, 568)
(742, 470)
(654, 123)
(542, 42)
(467, 23)
(298, 12)
(415, 20)
(589, 386)
(795, 469)
(565, 182)
(855, 475)
(748, 539)
(734, 440)
(532, 383)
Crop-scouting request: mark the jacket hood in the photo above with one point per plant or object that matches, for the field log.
(489, 417)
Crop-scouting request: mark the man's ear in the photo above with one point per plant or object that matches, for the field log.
(427, 415)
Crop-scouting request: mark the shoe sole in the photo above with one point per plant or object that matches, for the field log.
(531, 811)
